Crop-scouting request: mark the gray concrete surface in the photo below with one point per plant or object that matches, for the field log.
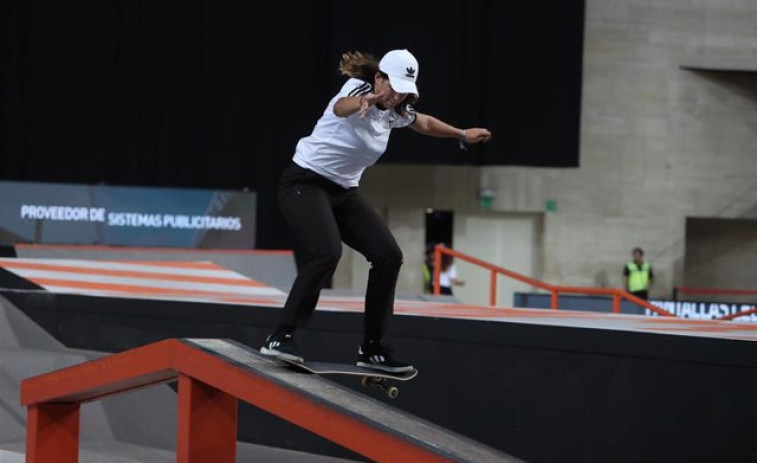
(119, 452)
(7, 456)
(18, 331)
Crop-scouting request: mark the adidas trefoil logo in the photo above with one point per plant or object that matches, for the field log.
(410, 72)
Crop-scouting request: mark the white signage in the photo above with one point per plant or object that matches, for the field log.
(704, 310)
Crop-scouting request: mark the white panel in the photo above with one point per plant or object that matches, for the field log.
(134, 266)
(512, 241)
(35, 275)
(11, 457)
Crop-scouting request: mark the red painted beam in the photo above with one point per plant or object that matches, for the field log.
(126, 371)
(207, 424)
(52, 433)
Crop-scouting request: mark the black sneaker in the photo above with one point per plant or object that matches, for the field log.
(379, 357)
(282, 346)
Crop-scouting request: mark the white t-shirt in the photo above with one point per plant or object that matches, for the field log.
(446, 277)
(340, 148)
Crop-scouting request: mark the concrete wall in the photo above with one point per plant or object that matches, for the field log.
(658, 144)
(401, 194)
(721, 253)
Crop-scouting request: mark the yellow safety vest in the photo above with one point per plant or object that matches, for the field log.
(638, 278)
(427, 277)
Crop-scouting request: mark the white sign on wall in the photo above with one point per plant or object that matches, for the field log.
(704, 310)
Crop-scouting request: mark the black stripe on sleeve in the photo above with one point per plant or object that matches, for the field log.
(361, 90)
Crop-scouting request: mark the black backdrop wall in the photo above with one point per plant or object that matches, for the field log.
(216, 94)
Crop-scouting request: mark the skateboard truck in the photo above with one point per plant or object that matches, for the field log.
(381, 383)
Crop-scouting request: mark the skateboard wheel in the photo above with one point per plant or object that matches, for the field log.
(365, 381)
(392, 392)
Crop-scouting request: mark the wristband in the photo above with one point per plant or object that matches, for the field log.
(462, 140)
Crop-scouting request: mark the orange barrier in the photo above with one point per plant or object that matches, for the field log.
(213, 375)
(617, 294)
(733, 316)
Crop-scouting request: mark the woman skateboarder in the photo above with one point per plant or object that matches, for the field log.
(318, 196)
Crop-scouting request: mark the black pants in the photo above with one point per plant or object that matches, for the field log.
(643, 294)
(323, 214)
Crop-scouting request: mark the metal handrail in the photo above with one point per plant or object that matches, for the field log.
(736, 315)
(617, 294)
(214, 375)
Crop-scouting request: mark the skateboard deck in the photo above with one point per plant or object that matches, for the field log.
(370, 377)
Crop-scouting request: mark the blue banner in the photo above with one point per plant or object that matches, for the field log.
(47, 213)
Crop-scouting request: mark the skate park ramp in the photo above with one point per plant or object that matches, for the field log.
(353, 420)
(129, 428)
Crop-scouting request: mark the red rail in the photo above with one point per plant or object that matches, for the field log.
(617, 294)
(210, 386)
(751, 311)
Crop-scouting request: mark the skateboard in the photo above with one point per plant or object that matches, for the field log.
(369, 377)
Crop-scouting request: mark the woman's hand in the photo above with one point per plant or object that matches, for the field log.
(382, 96)
(349, 105)
(366, 101)
(476, 135)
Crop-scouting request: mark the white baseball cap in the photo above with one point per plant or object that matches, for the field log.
(402, 69)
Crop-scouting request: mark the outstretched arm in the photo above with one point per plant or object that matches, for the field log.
(429, 125)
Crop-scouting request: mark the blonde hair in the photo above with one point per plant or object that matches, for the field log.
(359, 65)
(364, 66)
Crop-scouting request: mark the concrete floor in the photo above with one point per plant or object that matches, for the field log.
(118, 452)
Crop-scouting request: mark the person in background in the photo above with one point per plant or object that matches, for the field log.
(638, 276)
(448, 275)
(428, 270)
